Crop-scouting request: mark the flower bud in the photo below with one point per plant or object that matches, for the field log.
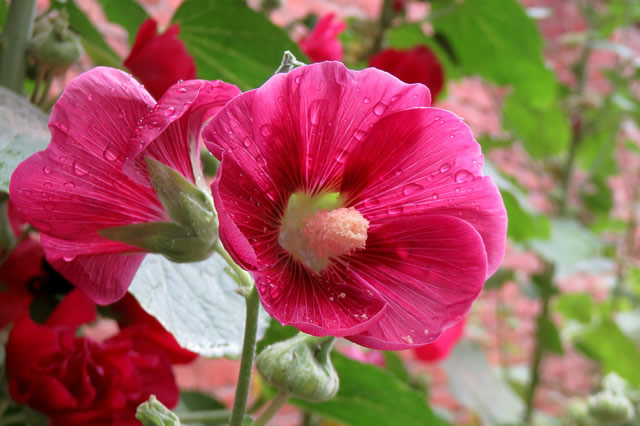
(578, 414)
(608, 407)
(54, 45)
(301, 366)
(193, 231)
(154, 413)
(615, 384)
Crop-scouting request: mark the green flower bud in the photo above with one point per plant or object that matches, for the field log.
(301, 366)
(608, 407)
(193, 232)
(615, 384)
(53, 44)
(578, 414)
(154, 413)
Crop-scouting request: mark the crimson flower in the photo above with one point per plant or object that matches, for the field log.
(441, 348)
(360, 211)
(417, 65)
(94, 176)
(78, 381)
(159, 60)
(323, 44)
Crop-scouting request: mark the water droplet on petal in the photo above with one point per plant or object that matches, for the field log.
(260, 160)
(265, 130)
(230, 132)
(247, 142)
(315, 110)
(182, 90)
(394, 210)
(169, 111)
(89, 97)
(110, 153)
(435, 196)
(371, 202)
(430, 178)
(359, 134)
(46, 170)
(78, 169)
(445, 168)
(463, 176)
(366, 100)
(112, 90)
(70, 184)
(411, 188)
(395, 98)
(437, 117)
(68, 258)
(297, 80)
(379, 109)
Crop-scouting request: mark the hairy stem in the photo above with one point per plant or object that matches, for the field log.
(204, 416)
(15, 41)
(275, 406)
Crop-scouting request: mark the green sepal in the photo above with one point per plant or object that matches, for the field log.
(154, 413)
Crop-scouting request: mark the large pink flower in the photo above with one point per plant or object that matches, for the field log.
(360, 211)
(322, 43)
(93, 176)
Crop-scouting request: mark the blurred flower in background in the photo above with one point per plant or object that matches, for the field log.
(322, 43)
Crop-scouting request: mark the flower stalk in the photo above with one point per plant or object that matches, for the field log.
(278, 402)
(15, 41)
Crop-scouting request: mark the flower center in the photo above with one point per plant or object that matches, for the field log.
(314, 229)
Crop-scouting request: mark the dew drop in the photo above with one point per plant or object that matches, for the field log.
(68, 258)
(46, 170)
(463, 176)
(315, 110)
(247, 142)
(395, 98)
(169, 111)
(398, 172)
(359, 134)
(411, 188)
(394, 210)
(435, 196)
(371, 202)
(437, 117)
(265, 130)
(110, 153)
(89, 97)
(379, 109)
(70, 184)
(366, 100)
(426, 331)
(445, 168)
(230, 132)
(297, 79)
(78, 169)
(182, 90)
(430, 178)
(260, 160)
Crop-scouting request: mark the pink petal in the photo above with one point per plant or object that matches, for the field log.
(428, 268)
(426, 160)
(304, 123)
(170, 133)
(76, 186)
(113, 271)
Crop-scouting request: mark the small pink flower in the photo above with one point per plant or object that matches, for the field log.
(360, 211)
(93, 176)
(323, 44)
(441, 348)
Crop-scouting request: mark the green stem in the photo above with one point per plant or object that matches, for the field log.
(384, 22)
(36, 87)
(17, 418)
(15, 41)
(205, 416)
(44, 95)
(275, 406)
(242, 277)
(246, 362)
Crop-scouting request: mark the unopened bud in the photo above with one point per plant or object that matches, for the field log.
(578, 414)
(53, 44)
(615, 384)
(301, 366)
(608, 407)
(154, 413)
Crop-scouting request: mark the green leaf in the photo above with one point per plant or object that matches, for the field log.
(196, 302)
(197, 401)
(23, 131)
(476, 387)
(232, 42)
(394, 364)
(127, 13)
(498, 41)
(607, 344)
(498, 278)
(544, 131)
(548, 336)
(596, 151)
(577, 306)
(275, 333)
(4, 12)
(369, 396)
(92, 40)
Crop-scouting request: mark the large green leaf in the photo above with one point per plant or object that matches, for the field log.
(498, 41)
(23, 131)
(196, 302)
(369, 396)
(231, 42)
(544, 131)
(616, 352)
(92, 40)
(127, 13)
(475, 386)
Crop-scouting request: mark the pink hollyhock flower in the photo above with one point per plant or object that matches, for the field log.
(93, 177)
(78, 381)
(323, 44)
(159, 60)
(360, 211)
(131, 315)
(441, 348)
(417, 65)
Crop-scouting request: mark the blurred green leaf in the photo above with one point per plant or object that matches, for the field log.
(476, 387)
(232, 42)
(4, 12)
(597, 196)
(548, 336)
(498, 279)
(544, 131)
(497, 40)
(576, 306)
(394, 364)
(370, 396)
(596, 151)
(191, 401)
(127, 13)
(607, 344)
(92, 40)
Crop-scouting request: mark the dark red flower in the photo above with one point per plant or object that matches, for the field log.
(441, 348)
(322, 43)
(78, 381)
(417, 65)
(159, 60)
(131, 315)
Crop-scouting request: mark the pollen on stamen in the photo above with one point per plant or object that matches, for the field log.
(337, 232)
